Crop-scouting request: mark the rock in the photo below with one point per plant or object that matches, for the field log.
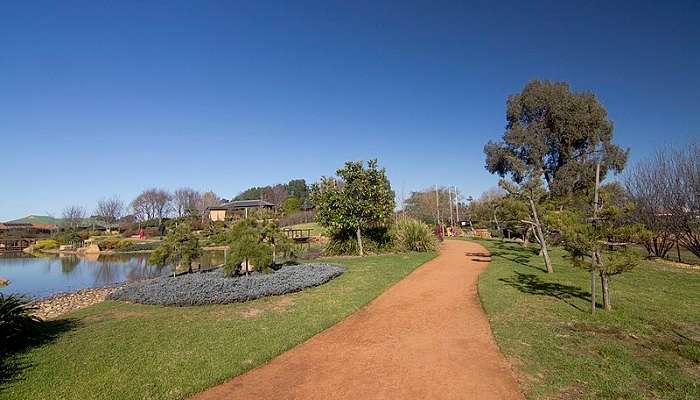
(91, 249)
(65, 247)
(4, 281)
(62, 303)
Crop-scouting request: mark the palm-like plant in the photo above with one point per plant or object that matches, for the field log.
(17, 319)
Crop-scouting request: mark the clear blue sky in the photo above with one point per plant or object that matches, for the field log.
(102, 98)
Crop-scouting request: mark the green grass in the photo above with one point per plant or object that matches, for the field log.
(648, 347)
(116, 350)
(316, 229)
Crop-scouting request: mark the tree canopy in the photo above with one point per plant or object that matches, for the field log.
(557, 135)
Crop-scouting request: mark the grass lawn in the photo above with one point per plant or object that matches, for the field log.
(648, 347)
(124, 351)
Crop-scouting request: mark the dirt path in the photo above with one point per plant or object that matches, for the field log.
(427, 337)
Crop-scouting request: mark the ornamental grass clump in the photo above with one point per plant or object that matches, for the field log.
(412, 235)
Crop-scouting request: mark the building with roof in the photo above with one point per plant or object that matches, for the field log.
(232, 208)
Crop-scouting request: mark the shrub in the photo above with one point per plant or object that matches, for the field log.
(216, 288)
(111, 243)
(67, 237)
(412, 235)
(46, 244)
(138, 246)
(16, 320)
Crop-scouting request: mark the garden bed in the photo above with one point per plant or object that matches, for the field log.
(215, 288)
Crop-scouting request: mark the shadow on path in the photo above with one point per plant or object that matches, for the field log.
(13, 360)
(531, 284)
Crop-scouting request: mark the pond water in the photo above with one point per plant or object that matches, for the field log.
(47, 275)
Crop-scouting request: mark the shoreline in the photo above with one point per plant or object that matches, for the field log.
(63, 302)
(30, 251)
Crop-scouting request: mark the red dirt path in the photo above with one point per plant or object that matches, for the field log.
(426, 337)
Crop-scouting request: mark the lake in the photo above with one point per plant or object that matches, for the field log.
(46, 275)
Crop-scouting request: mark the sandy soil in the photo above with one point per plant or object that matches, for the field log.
(427, 337)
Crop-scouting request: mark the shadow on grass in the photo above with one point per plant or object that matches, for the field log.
(12, 360)
(531, 284)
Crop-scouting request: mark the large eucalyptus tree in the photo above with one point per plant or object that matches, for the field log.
(554, 142)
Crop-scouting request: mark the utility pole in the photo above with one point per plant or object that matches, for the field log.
(449, 196)
(437, 202)
(456, 202)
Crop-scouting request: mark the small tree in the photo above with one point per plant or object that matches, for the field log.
(291, 205)
(361, 198)
(181, 248)
(248, 248)
(599, 244)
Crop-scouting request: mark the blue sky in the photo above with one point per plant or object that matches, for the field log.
(102, 98)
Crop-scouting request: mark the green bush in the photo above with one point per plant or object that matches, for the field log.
(114, 243)
(344, 242)
(17, 321)
(412, 235)
(67, 237)
(46, 244)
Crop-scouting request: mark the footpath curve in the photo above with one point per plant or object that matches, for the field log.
(427, 337)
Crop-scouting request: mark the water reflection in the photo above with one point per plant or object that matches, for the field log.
(46, 275)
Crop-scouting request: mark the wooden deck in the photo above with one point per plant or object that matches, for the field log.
(15, 245)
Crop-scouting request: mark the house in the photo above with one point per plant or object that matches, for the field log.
(228, 210)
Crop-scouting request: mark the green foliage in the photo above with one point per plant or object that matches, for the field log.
(180, 247)
(17, 321)
(556, 134)
(113, 243)
(299, 189)
(46, 244)
(68, 236)
(254, 245)
(580, 238)
(360, 199)
(291, 205)
(412, 235)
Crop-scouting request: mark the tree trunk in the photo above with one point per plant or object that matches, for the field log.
(274, 254)
(678, 251)
(359, 241)
(526, 237)
(606, 291)
(595, 256)
(540, 235)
